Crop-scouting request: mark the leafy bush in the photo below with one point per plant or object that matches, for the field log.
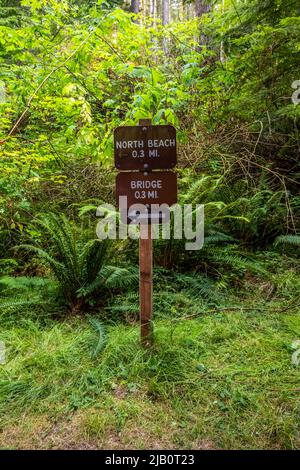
(78, 263)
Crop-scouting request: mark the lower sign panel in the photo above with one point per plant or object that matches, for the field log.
(139, 195)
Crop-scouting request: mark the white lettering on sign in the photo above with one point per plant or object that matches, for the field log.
(140, 184)
(130, 144)
(139, 153)
(162, 143)
(153, 153)
(145, 194)
(138, 144)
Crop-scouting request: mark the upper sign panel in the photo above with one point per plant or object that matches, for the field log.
(145, 147)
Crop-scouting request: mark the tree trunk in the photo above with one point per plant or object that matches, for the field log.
(165, 21)
(153, 8)
(135, 6)
(202, 7)
(165, 12)
(181, 16)
(153, 12)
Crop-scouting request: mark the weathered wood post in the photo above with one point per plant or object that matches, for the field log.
(146, 281)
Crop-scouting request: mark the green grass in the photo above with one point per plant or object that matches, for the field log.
(220, 375)
(226, 379)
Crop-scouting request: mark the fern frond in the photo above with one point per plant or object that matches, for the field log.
(287, 240)
(124, 307)
(100, 330)
(116, 277)
(57, 267)
(218, 238)
(18, 303)
(87, 209)
(198, 190)
(197, 286)
(92, 258)
(63, 237)
(236, 261)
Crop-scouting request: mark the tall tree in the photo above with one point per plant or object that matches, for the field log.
(165, 21)
(202, 7)
(135, 6)
(165, 12)
(153, 9)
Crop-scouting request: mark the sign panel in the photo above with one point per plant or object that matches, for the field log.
(145, 147)
(149, 190)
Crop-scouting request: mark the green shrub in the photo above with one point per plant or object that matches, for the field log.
(78, 263)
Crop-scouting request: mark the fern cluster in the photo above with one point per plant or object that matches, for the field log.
(78, 263)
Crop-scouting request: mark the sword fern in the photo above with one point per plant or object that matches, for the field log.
(77, 263)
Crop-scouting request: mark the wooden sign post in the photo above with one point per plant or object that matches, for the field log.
(146, 285)
(146, 277)
(145, 148)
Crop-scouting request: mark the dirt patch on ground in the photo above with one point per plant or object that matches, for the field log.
(70, 433)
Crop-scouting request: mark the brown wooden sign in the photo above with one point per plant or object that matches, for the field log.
(145, 147)
(159, 187)
(143, 194)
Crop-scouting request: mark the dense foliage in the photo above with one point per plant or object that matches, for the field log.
(71, 73)
(226, 74)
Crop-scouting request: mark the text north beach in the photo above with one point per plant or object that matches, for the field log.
(139, 144)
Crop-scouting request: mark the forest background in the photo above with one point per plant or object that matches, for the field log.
(224, 372)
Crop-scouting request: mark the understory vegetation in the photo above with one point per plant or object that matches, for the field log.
(226, 318)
